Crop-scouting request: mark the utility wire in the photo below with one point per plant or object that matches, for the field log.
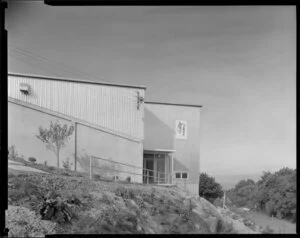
(32, 62)
(44, 65)
(62, 66)
(43, 60)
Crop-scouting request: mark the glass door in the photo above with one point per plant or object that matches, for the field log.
(148, 171)
(160, 168)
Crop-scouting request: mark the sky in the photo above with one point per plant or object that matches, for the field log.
(238, 62)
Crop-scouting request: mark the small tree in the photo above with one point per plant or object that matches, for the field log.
(209, 188)
(55, 137)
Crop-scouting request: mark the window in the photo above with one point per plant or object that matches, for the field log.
(181, 175)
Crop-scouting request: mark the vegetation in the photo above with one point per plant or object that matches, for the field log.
(32, 159)
(55, 137)
(53, 203)
(274, 194)
(209, 188)
(67, 164)
(12, 152)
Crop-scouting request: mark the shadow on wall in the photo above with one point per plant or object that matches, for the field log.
(158, 135)
(99, 167)
(178, 166)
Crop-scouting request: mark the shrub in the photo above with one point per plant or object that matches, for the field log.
(12, 152)
(126, 193)
(51, 168)
(128, 179)
(97, 177)
(209, 188)
(67, 164)
(268, 230)
(32, 160)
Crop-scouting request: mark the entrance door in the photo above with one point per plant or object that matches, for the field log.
(160, 164)
(148, 171)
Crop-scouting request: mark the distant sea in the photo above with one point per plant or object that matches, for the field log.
(229, 181)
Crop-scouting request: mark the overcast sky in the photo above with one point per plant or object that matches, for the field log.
(239, 63)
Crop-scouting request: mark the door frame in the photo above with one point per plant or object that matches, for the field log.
(154, 153)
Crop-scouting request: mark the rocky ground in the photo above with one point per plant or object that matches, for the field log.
(97, 207)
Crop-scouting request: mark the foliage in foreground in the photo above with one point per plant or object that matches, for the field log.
(101, 207)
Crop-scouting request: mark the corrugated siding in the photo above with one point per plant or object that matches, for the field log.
(114, 108)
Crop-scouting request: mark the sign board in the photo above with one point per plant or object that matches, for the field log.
(181, 129)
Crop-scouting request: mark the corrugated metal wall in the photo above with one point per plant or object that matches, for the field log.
(112, 107)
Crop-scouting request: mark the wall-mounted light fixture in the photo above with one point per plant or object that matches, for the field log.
(140, 100)
(25, 88)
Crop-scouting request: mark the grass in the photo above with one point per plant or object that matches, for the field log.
(50, 169)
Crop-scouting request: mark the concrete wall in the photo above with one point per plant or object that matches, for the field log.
(96, 143)
(187, 155)
(23, 124)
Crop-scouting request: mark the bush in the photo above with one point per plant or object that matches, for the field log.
(128, 179)
(67, 164)
(12, 152)
(97, 177)
(209, 188)
(268, 230)
(270, 208)
(32, 160)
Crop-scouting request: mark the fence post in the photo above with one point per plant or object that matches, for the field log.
(75, 140)
(134, 174)
(91, 167)
(147, 176)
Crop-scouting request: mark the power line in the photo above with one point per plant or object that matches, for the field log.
(45, 62)
(131, 100)
(60, 65)
(31, 63)
(45, 65)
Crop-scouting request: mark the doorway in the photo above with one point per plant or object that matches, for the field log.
(155, 168)
(148, 170)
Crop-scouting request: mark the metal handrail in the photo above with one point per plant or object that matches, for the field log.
(156, 175)
(127, 165)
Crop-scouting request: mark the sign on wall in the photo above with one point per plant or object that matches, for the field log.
(181, 129)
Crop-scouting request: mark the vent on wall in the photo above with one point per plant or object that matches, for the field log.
(24, 88)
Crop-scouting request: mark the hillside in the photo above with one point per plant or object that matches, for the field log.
(96, 207)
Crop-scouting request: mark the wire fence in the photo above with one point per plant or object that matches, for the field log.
(107, 169)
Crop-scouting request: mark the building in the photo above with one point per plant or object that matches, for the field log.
(171, 144)
(153, 142)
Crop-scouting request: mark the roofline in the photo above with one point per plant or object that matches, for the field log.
(75, 80)
(174, 104)
(159, 150)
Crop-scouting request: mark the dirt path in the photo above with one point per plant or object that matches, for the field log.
(279, 226)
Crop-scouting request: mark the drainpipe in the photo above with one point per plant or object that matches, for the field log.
(172, 168)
